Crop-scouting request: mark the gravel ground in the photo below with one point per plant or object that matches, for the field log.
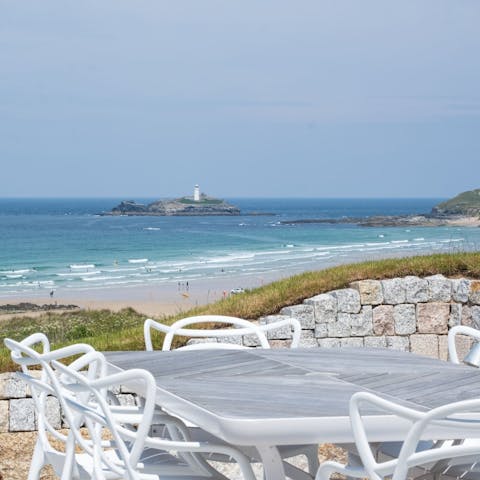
(16, 452)
(15, 455)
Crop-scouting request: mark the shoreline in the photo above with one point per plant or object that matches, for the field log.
(164, 299)
(152, 299)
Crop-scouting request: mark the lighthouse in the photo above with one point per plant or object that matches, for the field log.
(196, 193)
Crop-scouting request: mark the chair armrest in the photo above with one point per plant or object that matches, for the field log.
(459, 330)
(147, 326)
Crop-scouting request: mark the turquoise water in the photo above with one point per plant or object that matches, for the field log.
(64, 244)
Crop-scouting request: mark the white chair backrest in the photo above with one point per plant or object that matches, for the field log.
(242, 327)
(47, 384)
(408, 456)
(93, 406)
(460, 330)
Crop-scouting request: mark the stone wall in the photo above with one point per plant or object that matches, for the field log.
(412, 314)
(17, 409)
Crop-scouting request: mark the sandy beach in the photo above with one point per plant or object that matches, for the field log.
(154, 300)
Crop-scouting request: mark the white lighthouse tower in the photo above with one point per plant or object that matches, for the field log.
(196, 193)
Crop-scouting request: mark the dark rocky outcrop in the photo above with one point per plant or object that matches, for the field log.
(33, 307)
(129, 206)
(185, 206)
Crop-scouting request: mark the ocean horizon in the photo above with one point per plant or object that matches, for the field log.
(62, 244)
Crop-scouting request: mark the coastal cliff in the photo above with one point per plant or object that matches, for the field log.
(466, 203)
(184, 206)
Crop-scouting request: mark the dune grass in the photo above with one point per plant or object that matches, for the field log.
(123, 330)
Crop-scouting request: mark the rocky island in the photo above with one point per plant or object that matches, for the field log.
(198, 204)
(461, 211)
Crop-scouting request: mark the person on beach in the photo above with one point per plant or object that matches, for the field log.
(51, 293)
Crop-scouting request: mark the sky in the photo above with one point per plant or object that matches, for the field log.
(253, 98)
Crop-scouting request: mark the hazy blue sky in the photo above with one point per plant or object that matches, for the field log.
(248, 98)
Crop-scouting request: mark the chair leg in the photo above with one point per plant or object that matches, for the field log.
(37, 463)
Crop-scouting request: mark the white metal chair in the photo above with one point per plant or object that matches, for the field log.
(242, 327)
(387, 450)
(131, 454)
(473, 356)
(45, 451)
(447, 460)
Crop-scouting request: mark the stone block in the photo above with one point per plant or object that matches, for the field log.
(348, 300)
(280, 333)
(3, 416)
(126, 399)
(460, 290)
(361, 324)
(280, 343)
(22, 415)
(329, 342)
(303, 313)
(308, 340)
(383, 322)
(463, 344)
(371, 292)
(424, 344)
(475, 313)
(474, 293)
(394, 291)
(433, 317)
(231, 339)
(36, 374)
(52, 411)
(455, 314)
(11, 386)
(467, 316)
(375, 342)
(398, 343)
(439, 288)
(404, 319)
(197, 341)
(443, 347)
(321, 330)
(416, 289)
(324, 308)
(251, 340)
(340, 328)
(351, 342)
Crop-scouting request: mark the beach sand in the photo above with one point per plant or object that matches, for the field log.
(154, 300)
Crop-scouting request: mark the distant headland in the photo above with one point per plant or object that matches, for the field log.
(195, 205)
(461, 211)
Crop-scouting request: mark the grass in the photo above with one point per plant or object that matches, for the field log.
(202, 201)
(123, 330)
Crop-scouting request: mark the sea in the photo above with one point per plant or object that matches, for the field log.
(64, 244)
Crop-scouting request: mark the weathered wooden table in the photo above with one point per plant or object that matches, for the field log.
(272, 397)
